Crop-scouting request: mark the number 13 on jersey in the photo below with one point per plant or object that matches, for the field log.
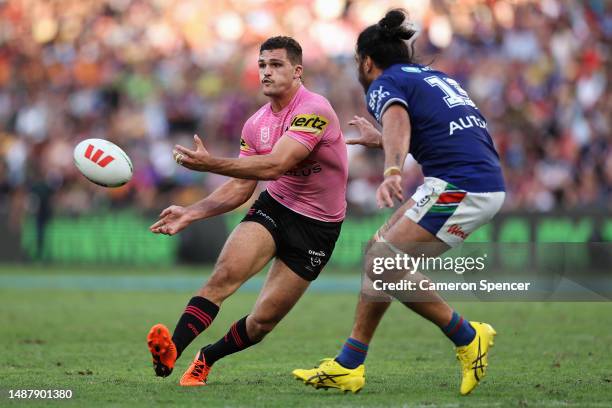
(454, 94)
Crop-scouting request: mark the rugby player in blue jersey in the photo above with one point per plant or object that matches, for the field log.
(426, 113)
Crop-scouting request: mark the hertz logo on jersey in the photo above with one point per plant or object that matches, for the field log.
(244, 146)
(309, 123)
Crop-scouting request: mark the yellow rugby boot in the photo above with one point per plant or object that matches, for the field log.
(330, 374)
(474, 357)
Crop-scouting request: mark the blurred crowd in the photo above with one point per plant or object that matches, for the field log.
(149, 74)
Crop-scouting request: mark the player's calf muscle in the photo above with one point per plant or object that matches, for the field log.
(259, 325)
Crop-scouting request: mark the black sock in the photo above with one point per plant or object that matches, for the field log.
(235, 340)
(198, 315)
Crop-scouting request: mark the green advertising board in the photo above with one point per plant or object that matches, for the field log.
(124, 238)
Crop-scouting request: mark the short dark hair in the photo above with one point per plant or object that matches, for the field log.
(385, 42)
(293, 48)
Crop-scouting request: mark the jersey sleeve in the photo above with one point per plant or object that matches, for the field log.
(309, 124)
(383, 93)
(246, 145)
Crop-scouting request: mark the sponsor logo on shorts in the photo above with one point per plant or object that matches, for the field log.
(261, 214)
(456, 230)
(423, 201)
(315, 260)
(309, 123)
(317, 253)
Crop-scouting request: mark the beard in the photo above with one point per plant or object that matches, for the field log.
(270, 92)
(363, 80)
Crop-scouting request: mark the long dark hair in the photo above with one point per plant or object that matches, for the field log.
(385, 42)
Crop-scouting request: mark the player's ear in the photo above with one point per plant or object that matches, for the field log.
(368, 64)
(298, 71)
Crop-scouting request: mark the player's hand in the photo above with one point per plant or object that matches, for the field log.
(172, 220)
(197, 159)
(369, 136)
(389, 189)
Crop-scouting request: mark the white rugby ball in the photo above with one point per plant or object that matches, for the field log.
(103, 162)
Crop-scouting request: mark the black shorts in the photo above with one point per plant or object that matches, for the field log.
(302, 243)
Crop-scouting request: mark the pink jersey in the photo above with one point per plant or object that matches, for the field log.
(316, 187)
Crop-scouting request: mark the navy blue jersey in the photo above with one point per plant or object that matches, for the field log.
(449, 134)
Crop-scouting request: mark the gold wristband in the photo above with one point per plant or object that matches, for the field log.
(392, 170)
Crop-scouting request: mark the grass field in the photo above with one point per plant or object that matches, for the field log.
(92, 341)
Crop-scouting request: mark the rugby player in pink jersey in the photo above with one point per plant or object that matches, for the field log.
(296, 142)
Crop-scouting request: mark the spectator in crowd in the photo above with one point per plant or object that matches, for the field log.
(147, 75)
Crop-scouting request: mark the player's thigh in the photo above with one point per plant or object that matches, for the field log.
(409, 237)
(281, 291)
(247, 250)
(380, 232)
(395, 217)
(406, 235)
(400, 235)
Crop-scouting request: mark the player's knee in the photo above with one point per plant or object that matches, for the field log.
(258, 326)
(368, 263)
(370, 243)
(376, 255)
(374, 250)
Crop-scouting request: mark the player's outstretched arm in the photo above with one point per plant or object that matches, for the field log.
(396, 139)
(369, 136)
(227, 197)
(285, 155)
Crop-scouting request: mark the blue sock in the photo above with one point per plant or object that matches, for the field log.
(459, 330)
(353, 353)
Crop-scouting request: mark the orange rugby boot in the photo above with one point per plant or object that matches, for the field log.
(162, 349)
(197, 373)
